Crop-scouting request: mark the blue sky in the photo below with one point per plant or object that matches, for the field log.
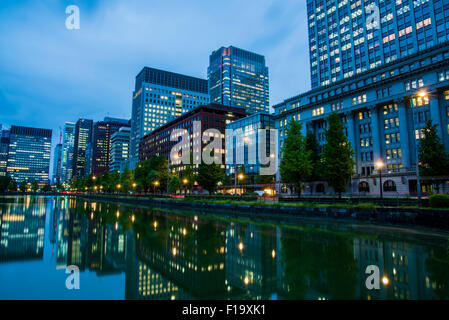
(50, 75)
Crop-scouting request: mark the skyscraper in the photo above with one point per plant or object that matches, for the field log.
(29, 154)
(4, 147)
(347, 38)
(160, 97)
(57, 164)
(83, 136)
(119, 157)
(239, 78)
(68, 145)
(101, 146)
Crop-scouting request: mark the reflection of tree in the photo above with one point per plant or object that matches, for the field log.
(209, 242)
(437, 265)
(319, 263)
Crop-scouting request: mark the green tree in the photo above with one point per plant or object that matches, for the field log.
(314, 148)
(174, 185)
(46, 188)
(259, 179)
(34, 186)
(189, 175)
(296, 165)
(153, 179)
(127, 180)
(141, 175)
(12, 186)
(338, 164)
(4, 183)
(434, 160)
(23, 186)
(209, 176)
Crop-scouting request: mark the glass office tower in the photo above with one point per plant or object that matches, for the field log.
(347, 38)
(120, 150)
(160, 97)
(83, 136)
(29, 155)
(57, 164)
(239, 78)
(68, 145)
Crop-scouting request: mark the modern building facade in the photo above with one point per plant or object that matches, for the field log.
(244, 135)
(29, 155)
(347, 38)
(159, 97)
(4, 148)
(57, 164)
(120, 143)
(239, 78)
(211, 116)
(383, 111)
(101, 144)
(68, 145)
(83, 136)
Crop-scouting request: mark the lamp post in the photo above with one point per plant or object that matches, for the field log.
(421, 94)
(185, 181)
(380, 166)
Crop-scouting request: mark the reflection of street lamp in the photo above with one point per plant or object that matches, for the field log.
(380, 166)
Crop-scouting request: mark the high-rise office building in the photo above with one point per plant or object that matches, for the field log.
(29, 154)
(120, 142)
(347, 38)
(160, 97)
(68, 145)
(101, 146)
(239, 78)
(4, 147)
(83, 136)
(57, 164)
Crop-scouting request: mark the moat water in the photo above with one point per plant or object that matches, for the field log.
(127, 252)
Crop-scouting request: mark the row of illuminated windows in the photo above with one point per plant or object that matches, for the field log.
(392, 138)
(366, 142)
(390, 108)
(391, 123)
(393, 154)
(359, 99)
(414, 84)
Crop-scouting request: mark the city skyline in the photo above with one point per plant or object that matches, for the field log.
(76, 57)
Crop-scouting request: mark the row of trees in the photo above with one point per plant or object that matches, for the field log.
(9, 184)
(303, 162)
(152, 176)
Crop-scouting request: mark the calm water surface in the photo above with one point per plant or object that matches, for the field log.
(125, 252)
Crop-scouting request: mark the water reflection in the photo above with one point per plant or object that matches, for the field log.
(172, 255)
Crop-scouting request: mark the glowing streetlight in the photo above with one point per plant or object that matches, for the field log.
(380, 165)
(385, 281)
(241, 246)
(241, 176)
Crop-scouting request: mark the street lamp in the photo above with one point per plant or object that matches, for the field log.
(421, 94)
(185, 181)
(380, 166)
(118, 188)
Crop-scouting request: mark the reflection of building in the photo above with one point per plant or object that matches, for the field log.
(22, 229)
(251, 260)
(68, 145)
(239, 78)
(402, 266)
(119, 158)
(188, 253)
(207, 117)
(159, 97)
(29, 155)
(143, 283)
